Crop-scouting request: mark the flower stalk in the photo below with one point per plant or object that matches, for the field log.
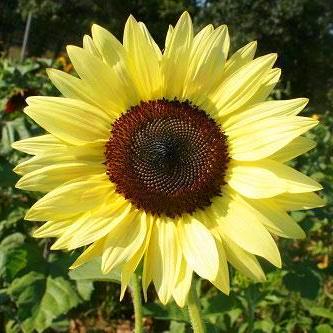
(137, 302)
(194, 309)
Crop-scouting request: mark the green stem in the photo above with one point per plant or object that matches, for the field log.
(194, 310)
(137, 302)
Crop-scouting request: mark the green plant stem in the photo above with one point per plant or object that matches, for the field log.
(194, 310)
(137, 302)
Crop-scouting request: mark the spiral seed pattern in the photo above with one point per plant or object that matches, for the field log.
(167, 157)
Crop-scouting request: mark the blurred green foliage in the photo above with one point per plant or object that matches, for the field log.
(37, 293)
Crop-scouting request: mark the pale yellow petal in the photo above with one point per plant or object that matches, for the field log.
(131, 265)
(98, 223)
(55, 154)
(94, 224)
(255, 181)
(68, 119)
(206, 65)
(39, 144)
(298, 201)
(210, 219)
(111, 85)
(163, 258)
(176, 57)
(52, 229)
(191, 233)
(297, 147)
(262, 138)
(72, 198)
(268, 178)
(89, 46)
(94, 250)
(267, 85)
(244, 261)
(238, 88)
(75, 88)
(108, 46)
(168, 36)
(142, 61)
(151, 40)
(275, 219)
(295, 181)
(200, 38)
(241, 224)
(240, 58)
(264, 110)
(124, 241)
(49, 177)
(183, 284)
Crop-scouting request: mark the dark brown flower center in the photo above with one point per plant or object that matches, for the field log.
(167, 157)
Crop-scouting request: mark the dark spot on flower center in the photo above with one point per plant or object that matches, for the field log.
(167, 157)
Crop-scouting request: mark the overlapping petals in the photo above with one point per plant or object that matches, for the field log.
(82, 206)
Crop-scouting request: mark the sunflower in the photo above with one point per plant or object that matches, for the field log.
(171, 159)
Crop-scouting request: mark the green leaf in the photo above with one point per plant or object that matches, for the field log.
(216, 305)
(321, 312)
(85, 288)
(40, 299)
(303, 280)
(92, 271)
(176, 327)
(12, 327)
(324, 328)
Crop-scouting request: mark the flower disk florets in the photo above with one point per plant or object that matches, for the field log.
(167, 157)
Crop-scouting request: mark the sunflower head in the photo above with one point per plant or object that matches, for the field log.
(174, 159)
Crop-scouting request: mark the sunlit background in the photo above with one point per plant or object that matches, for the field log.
(36, 292)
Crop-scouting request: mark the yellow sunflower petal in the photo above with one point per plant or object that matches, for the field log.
(90, 46)
(52, 229)
(295, 181)
(94, 250)
(241, 224)
(275, 219)
(176, 57)
(255, 181)
(142, 60)
(163, 258)
(240, 58)
(96, 224)
(264, 110)
(191, 233)
(151, 40)
(75, 88)
(238, 88)
(183, 284)
(168, 36)
(54, 154)
(295, 148)
(267, 136)
(108, 46)
(39, 144)
(110, 84)
(71, 120)
(245, 262)
(207, 64)
(72, 198)
(48, 178)
(267, 85)
(267, 178)
(221, 280)
(298, 201)
(124, 241)
(131, 265)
